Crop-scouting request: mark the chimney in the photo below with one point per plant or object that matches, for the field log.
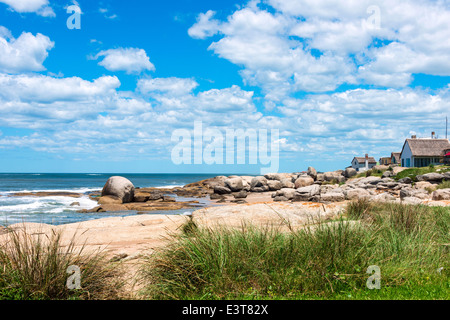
(433, 135)
(414, 137)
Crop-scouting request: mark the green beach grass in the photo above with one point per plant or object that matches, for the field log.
(328, 260)
(35, 268)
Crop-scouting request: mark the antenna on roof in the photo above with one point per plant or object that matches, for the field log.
(446, 127)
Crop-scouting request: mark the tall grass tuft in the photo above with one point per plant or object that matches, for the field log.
(358, 209)
(35, 267)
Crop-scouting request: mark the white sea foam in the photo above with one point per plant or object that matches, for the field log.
(169, 186)
(52, 205)
(74, 190)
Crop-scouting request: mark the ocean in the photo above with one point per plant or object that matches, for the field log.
(58, 210)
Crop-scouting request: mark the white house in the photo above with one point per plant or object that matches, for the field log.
(363, 163)
(423, 152)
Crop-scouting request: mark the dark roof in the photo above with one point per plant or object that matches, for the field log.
(427, 147)
(396, 155)
(363, 159)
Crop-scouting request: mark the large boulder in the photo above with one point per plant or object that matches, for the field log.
(334, 175)
(388, 174)
(119, 187)
(287, 183)
(221, 190)
(431, 177)
(357, 193)
(406, 193)
(441, 194)
(425, 185)
(278, 176)
(380, 167)
(350, 172)
(284, 194)
(412, 200)
(147, 196)
(333, 196)
(216, 181)
(406, 180)
(303, 181)
(234, 184)
(259, 184)
(274, 185)
(307, 193)
(383, 197)
(240, 195)
(312, 172)
(320, 177)
(371, 180)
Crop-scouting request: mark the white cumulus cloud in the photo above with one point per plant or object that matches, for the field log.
(40, 7)
(130, 60)
(26, 53)
(289, 46)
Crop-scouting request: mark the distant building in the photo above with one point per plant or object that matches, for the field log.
(385, 161)
(423, 152)
(363, 163)
(395, 158)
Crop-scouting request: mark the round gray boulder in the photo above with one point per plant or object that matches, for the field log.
(119, 187)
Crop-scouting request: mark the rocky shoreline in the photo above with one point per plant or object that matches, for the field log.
(337, 186)
(119, 194)
(308, 186)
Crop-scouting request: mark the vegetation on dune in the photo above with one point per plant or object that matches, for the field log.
(327, 260)
(414, 172)
(35, 267)
(371, 173)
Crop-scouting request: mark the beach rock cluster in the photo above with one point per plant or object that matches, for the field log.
(335, 186)
(119, 194)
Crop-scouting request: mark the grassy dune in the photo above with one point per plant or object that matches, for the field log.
(328, 260)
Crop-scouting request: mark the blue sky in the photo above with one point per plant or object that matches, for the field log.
(336, 81)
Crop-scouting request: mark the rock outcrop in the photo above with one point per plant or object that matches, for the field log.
(442, 194)
(303, 181)
(120, 187)
(234, 184)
